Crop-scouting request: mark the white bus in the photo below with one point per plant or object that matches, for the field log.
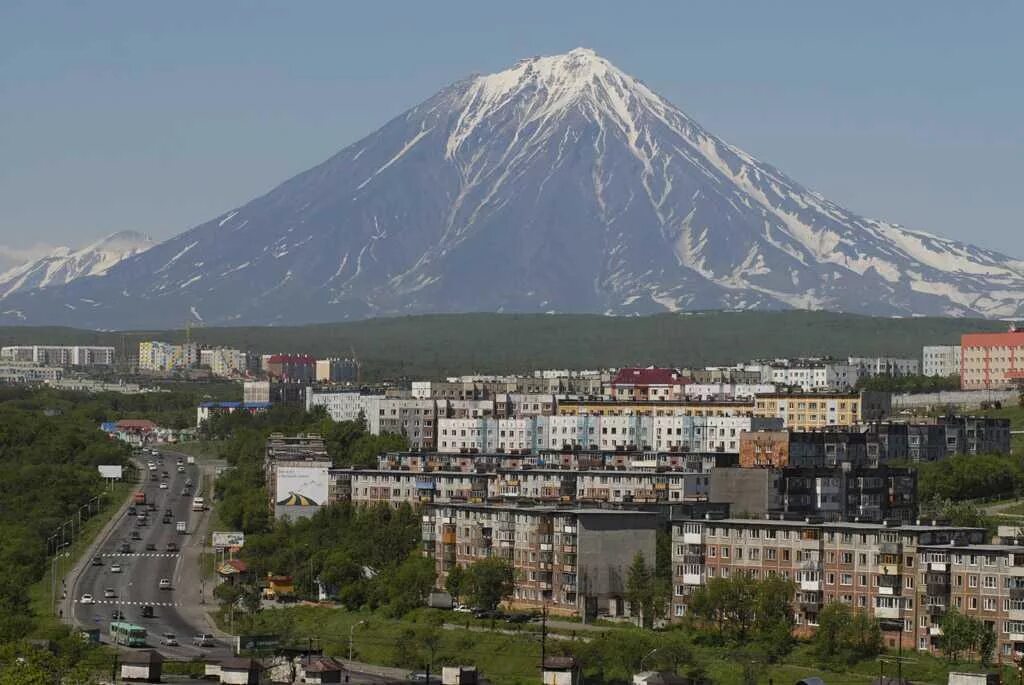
(198, 504)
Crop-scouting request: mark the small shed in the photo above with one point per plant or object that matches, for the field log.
(561, 670)
(240, 671)
(142, 666)
(459, 675)
(317, 670)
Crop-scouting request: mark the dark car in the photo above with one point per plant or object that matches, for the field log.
(126, 548)
(131, 511)
(168, 512)
(136, 535)
(116, 615)
(172, 547)
(147, 611)
(97, 561)
(518, 618)
(488, 613)
(150, 547)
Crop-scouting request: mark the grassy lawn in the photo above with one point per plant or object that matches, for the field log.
(40, 598)
(512, 659)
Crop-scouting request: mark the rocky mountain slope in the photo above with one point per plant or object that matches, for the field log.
(561, 184)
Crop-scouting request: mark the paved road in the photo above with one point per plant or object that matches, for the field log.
(137, 584)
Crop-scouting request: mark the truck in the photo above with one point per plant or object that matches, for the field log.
(198, 504)
(181, 527)
(139, 497)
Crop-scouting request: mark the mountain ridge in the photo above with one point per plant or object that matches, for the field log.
(561, 184)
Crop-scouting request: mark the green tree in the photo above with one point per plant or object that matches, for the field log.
(640, 591)
(986, 643)
(845, 635)
(489, 582)
(410, 584)
(959, 634)
(455, 582)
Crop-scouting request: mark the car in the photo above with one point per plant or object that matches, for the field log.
(87, 599)
(164, 475)
(150, 547)
(140, 523)
(421, 677)
(188, 483)
(147, 611)
(180, 461)
(115, 568)
(131, 511)
(172, 547)
(168, 639)
(136, 535)
(168, 512)
(165, 584)
(185, 492)
(167, 519)
(97, 561)
(181, 469)
(488, 613)
(203, 640)
(163, 486)
(153, 477)
(109, 593)
(126, 548)
(151, 506)
(518, 618)
(116, 615)
(462, 609)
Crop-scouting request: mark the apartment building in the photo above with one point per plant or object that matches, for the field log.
(940, 360)
(647, 384)
(834, 493)
(572, 561)
(523, 404)
(62, 356)
(296, 470)
(290, 368)
(337, 370)
(809, 374)
(415, 419)
(606, 407)
(467, 409)
(21, 372)
(909, 573)
(992, 360)
(224, 361)
(555, 459)
(885, 366)
(727, 391)
(155, 355)
(808, 411)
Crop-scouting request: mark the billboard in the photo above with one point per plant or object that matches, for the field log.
(302, 486)
(228, 538)
(254, 643)
(110, 471)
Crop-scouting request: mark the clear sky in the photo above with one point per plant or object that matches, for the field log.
(156, 116)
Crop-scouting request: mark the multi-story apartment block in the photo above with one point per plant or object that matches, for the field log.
(807, 411)
(885, 366)
(224, 361)
(728, 391)
(21, 372)
(160, 356)
(647, 384)
(59, 355)
(809, 374)
(337, 370)
(414, 419)
(572, 561)
(522, 404)
(738, 375)
(551, 459)
(467, 409)
(291, 368)
(833, 493)
(606, 407)
(940, 360)
(992, 360)
(908, 573)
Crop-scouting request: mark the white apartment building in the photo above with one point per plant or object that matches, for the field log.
(61, 356)
(735, 391)
(940, 360)
(886, 366)
(811, 374)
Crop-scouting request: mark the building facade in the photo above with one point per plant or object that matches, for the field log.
(940, 360)
(808, 411)
(992, 360)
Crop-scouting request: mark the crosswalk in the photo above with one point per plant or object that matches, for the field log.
(118, 602)
(156, 555)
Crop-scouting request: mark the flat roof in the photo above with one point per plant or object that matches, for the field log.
(542, 509)
(858, 525)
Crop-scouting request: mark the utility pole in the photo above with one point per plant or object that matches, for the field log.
(543, 636)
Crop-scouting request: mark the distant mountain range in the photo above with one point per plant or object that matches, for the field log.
(64, 265)
(561, 184)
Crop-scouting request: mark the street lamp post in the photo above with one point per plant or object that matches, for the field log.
(645, 657)
(351, 637)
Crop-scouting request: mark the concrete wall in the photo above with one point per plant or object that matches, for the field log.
(606, 546)
(746, 490)
(960, 398)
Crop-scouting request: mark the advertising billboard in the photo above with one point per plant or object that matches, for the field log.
(228, 538)
(302, 486)
(110, 471)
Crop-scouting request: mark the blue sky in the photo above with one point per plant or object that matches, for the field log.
(156, 116)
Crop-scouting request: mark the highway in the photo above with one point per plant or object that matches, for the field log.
(147, 560)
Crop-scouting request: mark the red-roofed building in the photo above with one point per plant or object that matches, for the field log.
(992, 360)
(291, 367)
(646, 384)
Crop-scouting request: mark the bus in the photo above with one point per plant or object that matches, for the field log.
(127, 634)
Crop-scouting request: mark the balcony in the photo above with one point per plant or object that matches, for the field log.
(1016, 614)
(935, 631)
(889, 569)
(938, 566)
(692, 538)
(887, 612)
(1016, 637)
(1017, 593)
(809, 606)
(890, 548)
(810, 585)
(935, 609)
(568, 587)
(692, 579)
(936, 589)
(692, 558)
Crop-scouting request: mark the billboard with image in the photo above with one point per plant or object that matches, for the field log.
(302, 485)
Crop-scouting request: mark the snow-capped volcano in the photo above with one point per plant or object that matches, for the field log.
(64, 265)
(560, 184)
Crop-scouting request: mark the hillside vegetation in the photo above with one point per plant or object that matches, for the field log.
(437, 345)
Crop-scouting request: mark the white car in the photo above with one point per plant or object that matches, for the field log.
(163, 485)
(181, 469)
(165, 584)
(169, 639)
(87, 599)
(109, 593)
(461, 608)
(115, 568)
